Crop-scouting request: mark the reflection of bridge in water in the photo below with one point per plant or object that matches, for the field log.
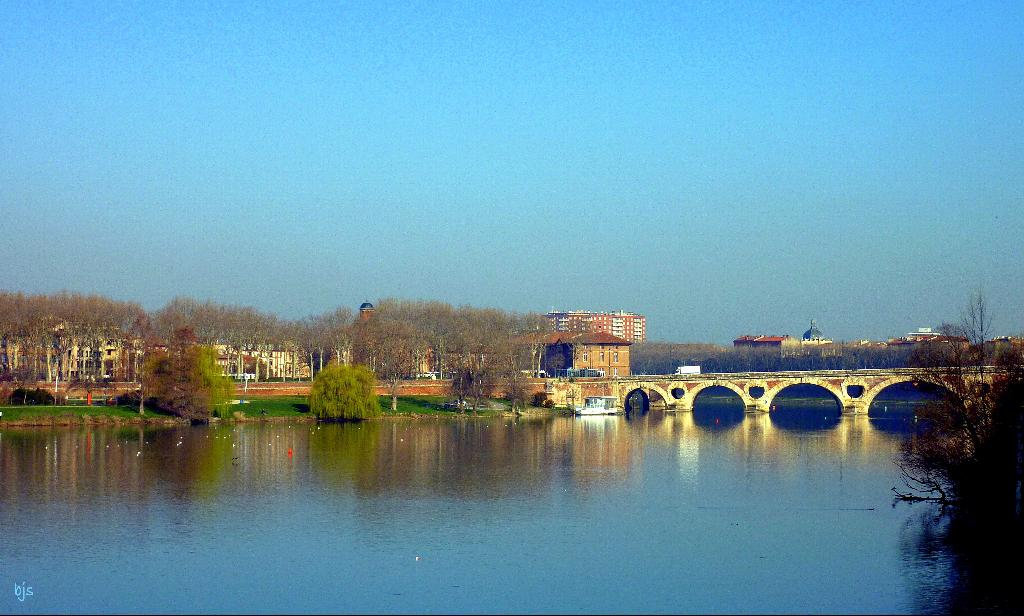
(463, 458)
(854, 390)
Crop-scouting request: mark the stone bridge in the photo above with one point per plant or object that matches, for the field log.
(853, 389)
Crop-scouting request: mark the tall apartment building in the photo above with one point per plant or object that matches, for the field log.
(627, 325)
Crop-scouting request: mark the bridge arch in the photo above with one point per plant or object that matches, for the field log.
(769, 396)
(871, 393)
(667, 399)
(653, 395)
(733, 387)
(644, 402)
(837, 395)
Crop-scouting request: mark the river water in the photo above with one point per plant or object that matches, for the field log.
(710, 511)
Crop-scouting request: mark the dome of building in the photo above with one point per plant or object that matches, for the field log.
(814, 333)
(366, 306)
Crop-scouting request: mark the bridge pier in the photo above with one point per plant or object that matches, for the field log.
(854, 407)
(755, 407)
(681, 407)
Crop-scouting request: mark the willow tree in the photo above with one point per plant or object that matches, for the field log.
(344, 392)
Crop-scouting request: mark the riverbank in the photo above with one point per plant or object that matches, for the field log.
(78, 415)
(257, 409)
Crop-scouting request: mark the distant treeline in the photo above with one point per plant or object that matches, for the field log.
(91, 338)
(664, 357)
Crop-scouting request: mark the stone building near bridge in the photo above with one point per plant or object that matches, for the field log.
(570, 353)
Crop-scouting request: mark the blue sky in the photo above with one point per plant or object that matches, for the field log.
(723, 168)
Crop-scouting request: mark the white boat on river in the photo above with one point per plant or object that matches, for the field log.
(599, 405)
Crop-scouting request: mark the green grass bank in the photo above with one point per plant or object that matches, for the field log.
(270, 408)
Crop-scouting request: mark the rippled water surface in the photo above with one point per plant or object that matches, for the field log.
(710, 511)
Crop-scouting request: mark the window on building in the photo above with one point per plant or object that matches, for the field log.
(602, 355)
(616, 357)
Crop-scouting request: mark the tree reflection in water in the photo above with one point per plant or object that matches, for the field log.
(466, 459)
(363, 484)
(960, 565)
(191, 464)
(345, 454)
(900, 426)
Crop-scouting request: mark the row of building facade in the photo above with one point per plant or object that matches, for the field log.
(814, 339)
(119, 360)
(628, 326)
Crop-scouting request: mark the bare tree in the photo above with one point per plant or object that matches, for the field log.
(366, 341)
(337, 333)
(479, 357)
(437, 322)
(143, 341)
(396, 348)
(522, 344)
(8, 325)
(969, 451)
(311, 336)
(17, 337)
